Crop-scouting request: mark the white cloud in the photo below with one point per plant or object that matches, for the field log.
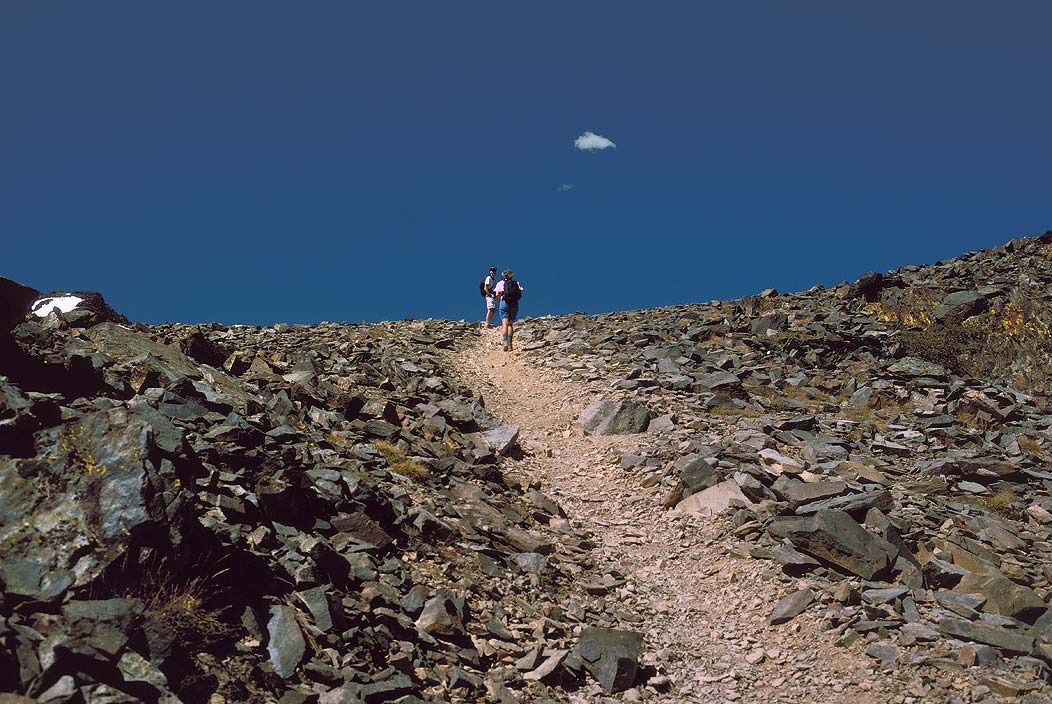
(563, 187)
(589, 141)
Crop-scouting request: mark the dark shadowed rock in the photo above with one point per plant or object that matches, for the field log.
(15, 302)
(960, 305)
(868, 286)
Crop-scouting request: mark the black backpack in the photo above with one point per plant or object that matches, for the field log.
(482, 288)
(512, 292)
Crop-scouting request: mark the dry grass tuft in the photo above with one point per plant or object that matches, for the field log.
(1001, 504)
(399, 463)
(1032, 448)
(181, 608)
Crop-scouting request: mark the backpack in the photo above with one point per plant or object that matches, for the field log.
(512, 292)
(482, 288)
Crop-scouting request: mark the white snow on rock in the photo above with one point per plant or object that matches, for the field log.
(64, 303)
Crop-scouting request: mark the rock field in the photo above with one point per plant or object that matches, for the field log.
(841, 494)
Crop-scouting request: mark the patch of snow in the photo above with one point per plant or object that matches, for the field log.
(64, 303)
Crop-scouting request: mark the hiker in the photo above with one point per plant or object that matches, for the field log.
(487, 291)
(509, 291)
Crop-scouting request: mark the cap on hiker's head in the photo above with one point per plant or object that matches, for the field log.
(508, 273)
(493, 269)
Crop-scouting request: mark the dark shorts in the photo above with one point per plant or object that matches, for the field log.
(509, 312)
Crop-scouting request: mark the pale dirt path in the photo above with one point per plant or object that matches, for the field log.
(704, 607)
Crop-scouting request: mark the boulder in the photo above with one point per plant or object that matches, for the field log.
(836, 537)
(611, 656)
(1006, 598)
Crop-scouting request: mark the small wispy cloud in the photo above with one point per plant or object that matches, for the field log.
(564, 187)
(590, 141)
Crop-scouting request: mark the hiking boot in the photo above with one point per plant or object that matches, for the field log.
(507, 347)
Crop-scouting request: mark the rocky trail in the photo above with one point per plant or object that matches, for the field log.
(835, 495)
(702, 603)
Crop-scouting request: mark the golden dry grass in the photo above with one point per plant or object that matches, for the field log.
(1031, 448)
(399, 463)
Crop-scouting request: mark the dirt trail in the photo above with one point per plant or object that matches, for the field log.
(704, 604)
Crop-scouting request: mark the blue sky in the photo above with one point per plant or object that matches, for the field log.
(265, 161)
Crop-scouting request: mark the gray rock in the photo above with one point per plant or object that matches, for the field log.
(610, 417)
(286, 645)
(725, 495)
(502, 439)
(443, 614)
(837, 538)
(1006, 598)
(611, 656)
(797, 492)
(991, 635)
(885, 652)
(791, 606)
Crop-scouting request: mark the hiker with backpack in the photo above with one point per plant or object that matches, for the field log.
(509, 291)
(486, 289)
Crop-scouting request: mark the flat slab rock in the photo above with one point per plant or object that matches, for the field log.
(501, 439)
(725, 495)
(614, 417)
(791, 606)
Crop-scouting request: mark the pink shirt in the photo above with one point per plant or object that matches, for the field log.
(500, 288)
